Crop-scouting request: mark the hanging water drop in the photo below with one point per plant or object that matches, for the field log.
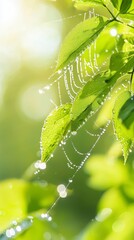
(61, 189)
(74, 133)
(10, 233)
(70, 181)
(40, 165)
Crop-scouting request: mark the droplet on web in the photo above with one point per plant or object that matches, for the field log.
(74, 133)
(61, 189)
(47, 87)
(40, 165)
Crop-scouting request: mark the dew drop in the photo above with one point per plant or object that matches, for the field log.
(10, 233)
(61, 189)
(40, 165)
(18, 228)
(73, 133)
(70, 180)
(47, 87)
(46, 216)
(14, 223)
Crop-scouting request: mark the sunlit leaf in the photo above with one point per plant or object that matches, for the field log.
(113, 199)
(116, 3)
(129, 38)
(102, 167)
(20, 199)
(118, 60)
(54, 129)
(105, 113)
(128, 17)
(40, 229)
(123, 117)
(93, 90)
(79, 38)
(85, 5)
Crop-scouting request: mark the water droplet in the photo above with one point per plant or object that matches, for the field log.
(105, 213)
(70, 180)
(62, 191)
(18, 228)
(73, 133)
(40, 165)
(14, 223)
(10, 233)
(46, 216)
(47, 87)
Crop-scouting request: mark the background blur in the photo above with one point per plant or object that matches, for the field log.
(30, 36)
(31, 33)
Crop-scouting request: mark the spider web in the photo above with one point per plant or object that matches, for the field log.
(67, 83)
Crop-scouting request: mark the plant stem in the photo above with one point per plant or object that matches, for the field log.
(118, 20)
(109, 11)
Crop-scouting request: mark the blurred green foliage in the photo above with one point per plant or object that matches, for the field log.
(100, 201)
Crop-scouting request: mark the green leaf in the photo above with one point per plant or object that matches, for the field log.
(85, 5)
(18, 199)
(116, 3)
(129, 38)
(122, 5)
(105, 113)
(122, 118)
(79, 38)
(54, 129)
(126, 113)
(118, 60)
(125, 5)
(40, 229)
(93, 90)
(102, 167)
(92, 95)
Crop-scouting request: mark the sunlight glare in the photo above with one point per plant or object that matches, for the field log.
(34, 105)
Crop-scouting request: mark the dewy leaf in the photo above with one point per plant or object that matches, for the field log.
(123, 118)
(89, 93)
(54, 129)
(40, 229)
(92, 95)
(79, 38)
(91, 98)
(84, 5)
(118, 60)
(19, 198)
